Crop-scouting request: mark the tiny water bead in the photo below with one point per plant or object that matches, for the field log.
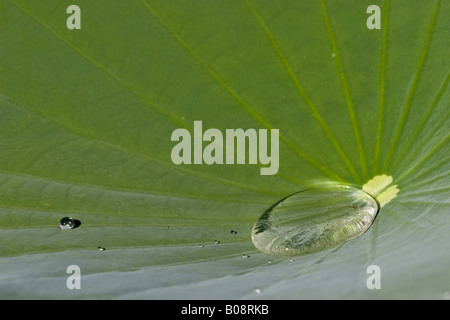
(313, 220)
(66, 223)
(233, 232)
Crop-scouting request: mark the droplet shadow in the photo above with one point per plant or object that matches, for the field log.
(76, 223)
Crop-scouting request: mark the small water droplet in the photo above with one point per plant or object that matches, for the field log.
(245, 255)
(257, 290)
(201, 245)
(314, 219)
(270, 261)
(101, 249)
(216, 241)
(66, 223)
(233, 232)
(291, 259)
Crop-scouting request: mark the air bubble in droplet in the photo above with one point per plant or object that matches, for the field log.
(66, 223)
(314, 219)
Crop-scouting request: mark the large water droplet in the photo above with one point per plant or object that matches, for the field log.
(314, 219)
(66, 223)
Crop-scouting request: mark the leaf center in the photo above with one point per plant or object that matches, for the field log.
(380, 188)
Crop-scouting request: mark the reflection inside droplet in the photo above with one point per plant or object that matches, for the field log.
(66, 223)
(314, 219)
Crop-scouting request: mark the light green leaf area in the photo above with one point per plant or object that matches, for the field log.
(86, 118)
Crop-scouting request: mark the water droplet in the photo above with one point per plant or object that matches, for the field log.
(314, 219)
(101, 249)
(257, 290)
(270, 261)
(216, 241)
(201, 245)
(66, 223)
(245, 255)
(233, 232)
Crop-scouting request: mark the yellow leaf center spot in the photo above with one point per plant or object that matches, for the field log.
(379, 187)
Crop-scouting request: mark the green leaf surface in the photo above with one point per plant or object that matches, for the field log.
(86, 118)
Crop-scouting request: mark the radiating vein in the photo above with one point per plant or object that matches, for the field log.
(314, 163)
(427, 191)
(161, 110)
(303, 93)
(382, 90)
(158, 108)
(122, 150)
(426, 182)
(423, 122)
(33, 158)
(436, 203)
(402, 220)
(345, 87)
(436, 148)
(428, 169)
(412, 89)
(119, 191)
